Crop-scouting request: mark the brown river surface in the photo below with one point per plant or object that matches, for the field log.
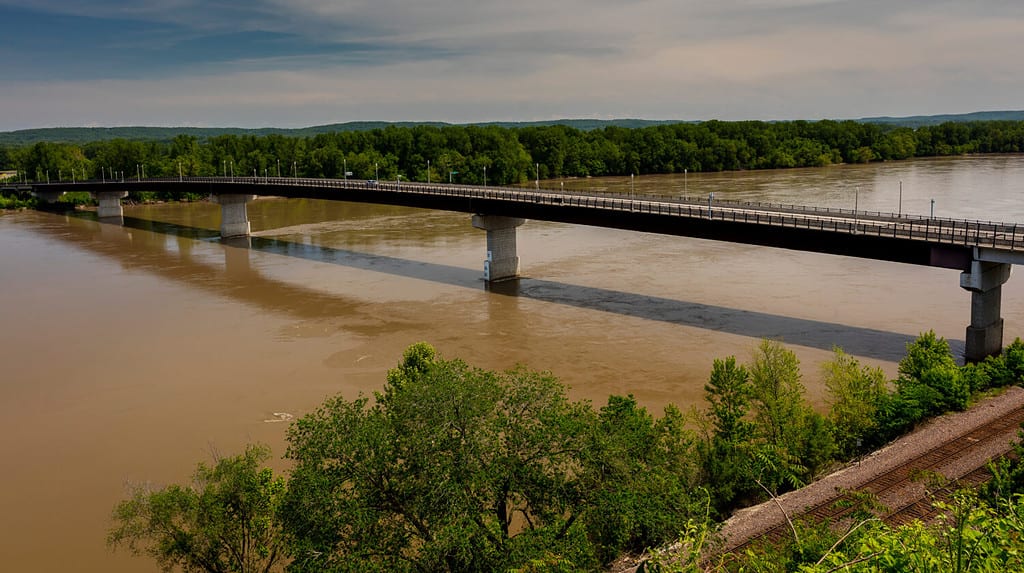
(131, 353)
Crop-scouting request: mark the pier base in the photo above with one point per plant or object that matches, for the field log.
(502, 262)
(234, 219)
(110, 204)
(985, 333)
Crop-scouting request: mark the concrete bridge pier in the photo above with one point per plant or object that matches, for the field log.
(502, 261)
(48, 197)
(985, 334)
(234, 219)
(110, 204)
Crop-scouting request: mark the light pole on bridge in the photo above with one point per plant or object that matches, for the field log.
(932, 216)
(538, 175)
(278, 167)
(485, 176)
(295, 169)
(428, 171)
(376, 172)
(899, 212)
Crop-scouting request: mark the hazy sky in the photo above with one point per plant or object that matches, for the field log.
(293, 63)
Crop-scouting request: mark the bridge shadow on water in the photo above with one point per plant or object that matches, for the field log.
(860, 341)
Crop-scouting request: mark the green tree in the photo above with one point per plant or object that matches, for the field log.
(930, 373)
(855, 394)
(451, 469)
(725, 451)
(226, 520)
(798, 441)
(638, 475)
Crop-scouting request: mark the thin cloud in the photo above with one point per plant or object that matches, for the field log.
(302, 62)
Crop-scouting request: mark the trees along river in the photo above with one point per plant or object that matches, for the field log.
(133, 351)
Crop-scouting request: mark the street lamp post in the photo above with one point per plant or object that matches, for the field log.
(899, 212)
(684, 181)
(485, 176)
(932, 216)
(224, 164)
(632, 188)
(428, 171)
(138, 172)
(856, 202)
(179, 171)
(295, 169)
(376, 172)
(278, 167)
(538, 175)
(344, 166)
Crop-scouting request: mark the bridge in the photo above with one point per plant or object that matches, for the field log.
(983, 252)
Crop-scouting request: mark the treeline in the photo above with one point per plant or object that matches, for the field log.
(504, 155)
(453, 468)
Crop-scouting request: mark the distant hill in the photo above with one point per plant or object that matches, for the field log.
(921, 120)
(79, 135)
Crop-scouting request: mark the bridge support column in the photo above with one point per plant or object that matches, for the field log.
(985, 334)
(48, 196)
(502, 261)
(110, 204)
(234, 219)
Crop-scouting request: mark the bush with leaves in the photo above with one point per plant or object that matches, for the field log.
(638, 476)
(453, 468)
(855, 395)
(226, 520)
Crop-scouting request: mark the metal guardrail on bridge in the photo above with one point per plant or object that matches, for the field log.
(960, 232)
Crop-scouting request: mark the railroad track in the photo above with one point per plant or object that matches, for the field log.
(899, 478)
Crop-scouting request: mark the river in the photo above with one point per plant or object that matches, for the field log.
(130, 353)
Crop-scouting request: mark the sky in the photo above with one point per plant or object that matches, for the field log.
(298, 63)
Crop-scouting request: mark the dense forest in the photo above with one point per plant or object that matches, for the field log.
(510, 155)
(452, 468)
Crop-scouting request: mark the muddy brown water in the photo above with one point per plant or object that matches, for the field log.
(132, 352)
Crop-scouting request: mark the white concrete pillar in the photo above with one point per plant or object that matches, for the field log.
(234, 219)
(985, 333)
(502, 261)
(110, 204)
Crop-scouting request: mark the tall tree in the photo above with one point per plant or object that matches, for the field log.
(226, 520)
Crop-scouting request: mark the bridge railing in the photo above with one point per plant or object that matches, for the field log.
(830, 219)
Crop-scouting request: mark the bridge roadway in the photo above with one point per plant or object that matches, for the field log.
(982, 251)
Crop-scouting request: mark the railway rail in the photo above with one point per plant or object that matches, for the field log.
(902, 480)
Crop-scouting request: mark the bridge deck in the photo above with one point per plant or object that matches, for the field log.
(942, 242)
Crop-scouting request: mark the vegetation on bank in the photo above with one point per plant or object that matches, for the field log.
(510, 155)
(454, 468)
